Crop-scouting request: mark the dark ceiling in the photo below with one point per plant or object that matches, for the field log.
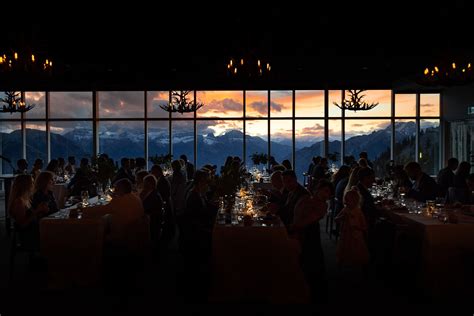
(317, 46)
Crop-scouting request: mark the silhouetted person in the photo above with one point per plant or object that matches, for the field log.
(188, 166)
(22, 166)
(125, 171)
(71, 165)
(364, 155)
(287, 164)
(445, 177)
(37, 167)
(295, 193)
(424, 187)
(53, 166)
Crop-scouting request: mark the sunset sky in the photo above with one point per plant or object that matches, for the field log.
(221, 106)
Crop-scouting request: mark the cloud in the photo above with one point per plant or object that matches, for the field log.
(317, 130)
(259, 106)
(357, 125)
(224, 106)
(121, 104)
(276, 106)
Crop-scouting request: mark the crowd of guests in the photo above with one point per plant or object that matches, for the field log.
(184, 204)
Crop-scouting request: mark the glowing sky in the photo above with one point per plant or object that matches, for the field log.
(221, 106)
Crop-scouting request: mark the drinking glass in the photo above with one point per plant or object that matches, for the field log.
(85, 197)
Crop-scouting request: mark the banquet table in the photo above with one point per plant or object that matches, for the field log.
(447, 251)
(256, 263)
(73, 248)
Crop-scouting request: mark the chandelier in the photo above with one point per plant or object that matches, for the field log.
(448, 74)
(14, 103)
(180, 103)
(15, 62)
(248, 67)
(354, 102)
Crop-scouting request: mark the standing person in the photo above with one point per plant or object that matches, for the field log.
(352, 251)
(296, 192)
(189, 167)
(307, 214)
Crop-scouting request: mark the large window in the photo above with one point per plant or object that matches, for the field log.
(71, 138)
(287, 124)
(11, 148)
(121, 139)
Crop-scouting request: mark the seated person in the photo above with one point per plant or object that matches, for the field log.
(44, 192)
(53, 166)
(71, 165)
(22, 165)
(125, 209)
(139, 176)
(37, 167)
(83, 180)
(424, 187)
(24, 215)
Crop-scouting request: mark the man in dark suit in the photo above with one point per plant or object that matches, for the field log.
(445, 177)
(424, 187)
(189, 167)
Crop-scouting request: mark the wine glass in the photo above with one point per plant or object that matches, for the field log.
(85, 197)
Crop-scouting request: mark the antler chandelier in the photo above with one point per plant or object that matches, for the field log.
(180, 103)
(354, 102)
(14, 103)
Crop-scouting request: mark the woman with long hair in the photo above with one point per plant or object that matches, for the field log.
(44, 191)
(24, 215)
(19, 203)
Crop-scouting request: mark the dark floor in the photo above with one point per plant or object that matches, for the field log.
(383, 290)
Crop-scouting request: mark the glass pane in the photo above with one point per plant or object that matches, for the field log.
(8, 115)
(281, 103)
(158, 138)
(429, 146)
(335, 141)
(220, 103)
(38, 98)
(176, 115)
(36, 142)
(281, 137)
(309, 142)
(382, 97)
(120, 139)
(371, 136)
(405, 104)
(335, 96)
(429, 104)
(11, 145)
(70, 105)
(121, 104)
(183, 139)
(309, 103)
(256, 103)
(71, 139)
(217, 140)
(154, 100)
(405, 142)
(256, 139)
